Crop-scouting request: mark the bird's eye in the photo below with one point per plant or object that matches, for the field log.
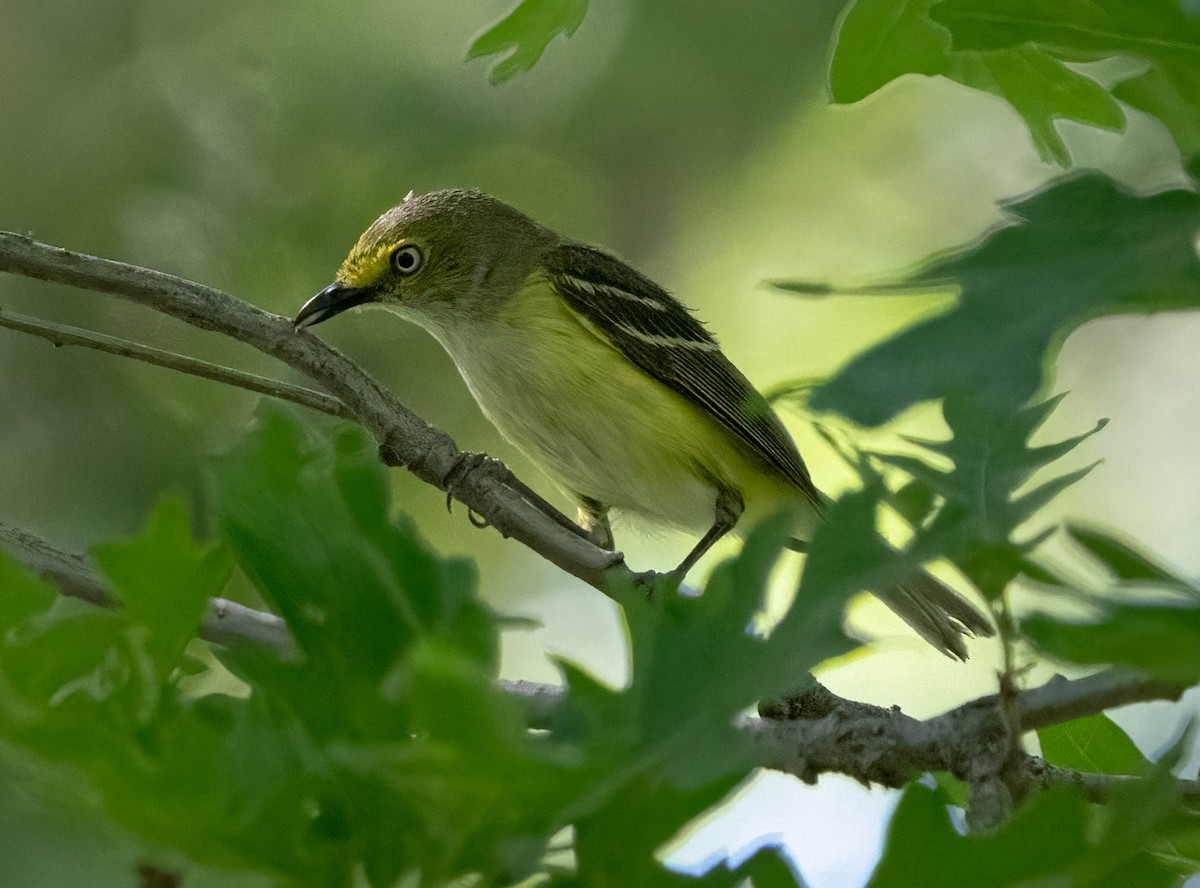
(407, 259)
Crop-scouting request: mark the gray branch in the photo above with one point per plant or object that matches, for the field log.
(404, 438)
(818, 732)
(64, 334)
(225, 623)
(810, 734)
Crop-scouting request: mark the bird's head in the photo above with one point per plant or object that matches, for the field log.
(437, 258)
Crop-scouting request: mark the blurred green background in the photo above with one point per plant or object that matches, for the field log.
(246, 144)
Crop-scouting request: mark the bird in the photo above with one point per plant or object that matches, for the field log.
(602, 378)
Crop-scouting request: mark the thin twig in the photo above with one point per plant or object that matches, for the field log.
(1096, 788)
(64, 334)
(1062, 700)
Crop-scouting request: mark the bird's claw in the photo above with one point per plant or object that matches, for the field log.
(466, 463)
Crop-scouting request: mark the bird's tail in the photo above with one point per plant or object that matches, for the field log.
(939, 614)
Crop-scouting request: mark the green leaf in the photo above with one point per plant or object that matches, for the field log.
(1168, 90)
(980, 507)
(616, 845)
(1136, 824)
(1041, 89)
(1122, 560)
(309, 525)
(1020, 50)
(1148, 28)
(681, 725)
(846, 556)
(385, 749)
(914, 501)
(770, 868)
(164, 580)
(1054, 839)
(1076, 251)
(880, 40)
(525, 33)
(21, 593)
(662, 751)
(395, 649)
(1045, 838)
(1159, 640)
(1158, 31)
(1093, 743)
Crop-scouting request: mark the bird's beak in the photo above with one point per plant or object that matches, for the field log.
(334, 299)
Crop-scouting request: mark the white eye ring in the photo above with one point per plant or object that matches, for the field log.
(407, 259)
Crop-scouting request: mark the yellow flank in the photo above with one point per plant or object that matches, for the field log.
(597, 424)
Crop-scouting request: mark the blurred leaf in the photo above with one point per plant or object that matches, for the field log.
(1056, 838)
(914, 501)
(1168, 90)
(1162, 32)
(665, 749)
(1147, 28)
(793, 391)
(525, 33)
(672, 720)
(617, 844)
(881, 40)
(309, 524)
(1045, 838)
(1160, 638)
(1122, 560)
(395, 647)
(1095, 744)
(1136, 825)
(386, 748)
(846, 556)
(1020, 50)
(23, 594)
(1078, 250)
(1179, 847)
(981, 506)
(164, 580)
(955, 792)
(770, 868)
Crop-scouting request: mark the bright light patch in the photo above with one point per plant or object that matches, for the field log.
(832, 833)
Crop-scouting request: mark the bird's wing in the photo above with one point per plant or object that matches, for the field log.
(659, 335)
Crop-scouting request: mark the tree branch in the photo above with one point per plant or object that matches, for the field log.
(64, 334)
(225, 622)
(404, 438)
(813, 733)
(810, 734)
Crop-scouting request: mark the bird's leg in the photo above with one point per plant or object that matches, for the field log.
(592, 516)
(729, 509)
(468, 463)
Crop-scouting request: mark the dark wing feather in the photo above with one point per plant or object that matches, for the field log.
(661, 337)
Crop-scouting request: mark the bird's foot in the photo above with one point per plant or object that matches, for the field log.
(467, 463)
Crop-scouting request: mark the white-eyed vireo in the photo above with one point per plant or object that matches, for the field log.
(600, 376)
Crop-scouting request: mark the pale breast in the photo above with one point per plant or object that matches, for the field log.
(594, 422)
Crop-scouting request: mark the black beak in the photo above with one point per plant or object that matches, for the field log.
(334, 299)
